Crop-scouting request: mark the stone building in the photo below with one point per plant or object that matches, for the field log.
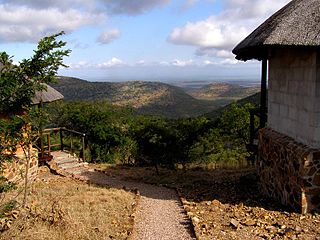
(288, 44)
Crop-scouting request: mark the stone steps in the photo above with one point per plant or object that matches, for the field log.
(69, 164)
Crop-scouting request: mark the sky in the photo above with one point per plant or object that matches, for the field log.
(155, 40)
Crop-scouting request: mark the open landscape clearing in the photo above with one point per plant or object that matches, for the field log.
(64, 208)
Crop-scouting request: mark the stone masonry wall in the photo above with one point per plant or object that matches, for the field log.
(289, 171)
(15, 171)
(294, 94)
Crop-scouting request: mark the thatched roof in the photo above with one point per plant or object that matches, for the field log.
(297, 24)
(46, 96)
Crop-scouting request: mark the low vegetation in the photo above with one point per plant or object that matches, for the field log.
(62, 208)
(224, 91)
(119, 135)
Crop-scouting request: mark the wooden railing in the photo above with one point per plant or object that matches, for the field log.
(53, 139)
(255, 126)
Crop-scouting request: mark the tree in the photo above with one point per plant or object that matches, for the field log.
(18, 86)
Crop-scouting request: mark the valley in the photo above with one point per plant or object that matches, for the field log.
(155, 98)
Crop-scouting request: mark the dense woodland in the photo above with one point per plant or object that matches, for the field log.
(120, 135)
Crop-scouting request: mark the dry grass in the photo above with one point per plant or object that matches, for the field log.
(62, 208)
(216, 199)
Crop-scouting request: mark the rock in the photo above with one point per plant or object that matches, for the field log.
(289, 232)
(188, 208)
(250, 222)
(195, 220)
(190, 214)
(298, 229)
(215, 202)
(283, 227)
(237, 215)
(234, 223)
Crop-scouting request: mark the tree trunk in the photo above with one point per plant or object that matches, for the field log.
(26, 179)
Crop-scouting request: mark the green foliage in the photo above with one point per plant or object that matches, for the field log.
(105, 127)
(7, 207)
(117, 135)
(5, 185)
(234, 122)
(18, 85)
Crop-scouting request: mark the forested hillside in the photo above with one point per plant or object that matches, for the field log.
(253, 100)
(152, 98)
(225, 91)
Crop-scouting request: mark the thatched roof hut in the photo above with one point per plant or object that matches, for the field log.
(46, 96)
(288, 43)
(297, 24)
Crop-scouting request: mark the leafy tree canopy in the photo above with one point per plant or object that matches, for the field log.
(19, 83)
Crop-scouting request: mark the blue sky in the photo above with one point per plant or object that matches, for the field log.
(160, 40)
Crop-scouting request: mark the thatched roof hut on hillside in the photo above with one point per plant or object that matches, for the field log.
(295, 25)
(46, 96)
(288, 43)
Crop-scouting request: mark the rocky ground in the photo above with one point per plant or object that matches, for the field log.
(234, 209)
(227, 204)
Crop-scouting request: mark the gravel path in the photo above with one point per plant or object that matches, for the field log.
(160, 215)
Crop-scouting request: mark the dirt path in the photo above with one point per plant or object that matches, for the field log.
(160, 215)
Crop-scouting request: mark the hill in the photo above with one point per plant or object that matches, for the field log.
(155, 98)
(224, 91)
(253, 99)
(152, 98)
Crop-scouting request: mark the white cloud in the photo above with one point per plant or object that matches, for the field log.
(133, 7)
(60, 4)
(164, 63)
(24, 24)
(208, 62)
(141, 62)
(109, 36)
(80, 65)
(182, 63)
(218, 34)
(114, 62)
(255, 8)
(213, 32)
(229, 61)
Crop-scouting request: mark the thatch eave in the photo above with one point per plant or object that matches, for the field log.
(46, 96)
(265, 51)
(295, 25)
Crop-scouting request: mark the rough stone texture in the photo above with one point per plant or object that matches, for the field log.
(289, 171)
(15, 171)
(294, 94)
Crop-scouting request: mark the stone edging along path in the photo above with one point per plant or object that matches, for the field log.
(159, 215)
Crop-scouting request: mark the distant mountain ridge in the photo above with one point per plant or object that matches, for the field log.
(223, 90)
(151, 98)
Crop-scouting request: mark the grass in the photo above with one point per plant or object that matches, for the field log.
(62, 208)
(216, 198)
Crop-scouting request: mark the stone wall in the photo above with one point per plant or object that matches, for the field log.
(294, 94)
(15, 171)
(289, 171)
